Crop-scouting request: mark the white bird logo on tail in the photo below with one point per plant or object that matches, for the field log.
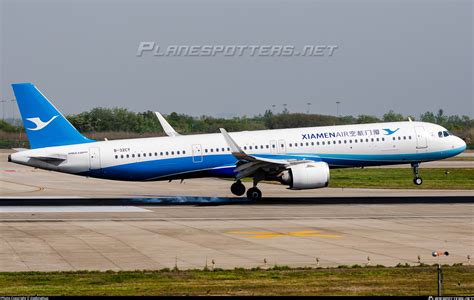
(39, 124)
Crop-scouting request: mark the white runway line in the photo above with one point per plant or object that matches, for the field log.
(70, 209)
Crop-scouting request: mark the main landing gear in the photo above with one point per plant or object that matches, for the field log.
(238, 189)
(417, 179)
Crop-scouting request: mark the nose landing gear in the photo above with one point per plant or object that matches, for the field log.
(417, 179)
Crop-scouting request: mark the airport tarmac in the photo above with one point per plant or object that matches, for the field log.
(52, 238)
(57, 222)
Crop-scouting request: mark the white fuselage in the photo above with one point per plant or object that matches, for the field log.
(209, 155)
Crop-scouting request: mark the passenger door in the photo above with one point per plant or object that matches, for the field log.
(421, 138)
(197, 153)
(94, 158)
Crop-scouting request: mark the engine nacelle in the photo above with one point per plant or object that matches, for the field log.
(306, 176)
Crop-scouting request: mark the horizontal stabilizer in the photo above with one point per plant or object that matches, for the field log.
(48, 157)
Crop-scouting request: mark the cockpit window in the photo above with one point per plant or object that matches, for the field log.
(440, 133)
(446, 133)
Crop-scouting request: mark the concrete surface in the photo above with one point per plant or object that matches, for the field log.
(58, 233)
(235, 236)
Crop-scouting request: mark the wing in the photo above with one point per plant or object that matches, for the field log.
(248, 165)
(166, 126)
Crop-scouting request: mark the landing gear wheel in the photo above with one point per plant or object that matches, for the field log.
(254, 194)
(237, 188)
(416, 168)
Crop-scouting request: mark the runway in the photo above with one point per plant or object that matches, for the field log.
(102, 237)
(58, 222)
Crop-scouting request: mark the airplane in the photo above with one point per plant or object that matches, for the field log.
(300, 158)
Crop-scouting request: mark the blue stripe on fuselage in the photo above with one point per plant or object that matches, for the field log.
(222, 165)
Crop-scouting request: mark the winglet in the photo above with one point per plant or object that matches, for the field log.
(234, 148)
(166, 126)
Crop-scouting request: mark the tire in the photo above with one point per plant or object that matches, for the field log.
(254, 194)
(237, 188)
(418, 181)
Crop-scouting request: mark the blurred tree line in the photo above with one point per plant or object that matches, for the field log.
(123, 120)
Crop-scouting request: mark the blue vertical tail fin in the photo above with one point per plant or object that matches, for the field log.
(44, 124)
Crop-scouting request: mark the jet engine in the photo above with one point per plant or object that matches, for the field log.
(306, 176)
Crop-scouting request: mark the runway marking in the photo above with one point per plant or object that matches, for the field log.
(70, 209)
(270, 234)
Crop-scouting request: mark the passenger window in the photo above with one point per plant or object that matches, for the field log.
(223, 149)
(404, 137)
(266, 146)
(128, 156)
(409, 137)
(350, 141)
(205, 150)
(177, 152)
(334, 142)
(345, 141)
(167, 152)
(317, 143)
(372, 139)
(217, 149)
(245, 147)
(383, 139)
(367, 140)
(307, 144)
(361, 140)
(312, 143)
(291, 144)
(121, 156)
(323, 142)
(250, 147)
(340, 142)
(301, 144)
(273, 146)
(378, 140)
(184, 151)
(116, 156)
(212, 150)
(161, 153)
(355, 141)
(399, 138)
(133, 155)
(144, 154)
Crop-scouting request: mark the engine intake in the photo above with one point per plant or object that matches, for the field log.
(306, 176)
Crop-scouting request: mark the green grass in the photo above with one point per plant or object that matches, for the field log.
(401, 178)
(379, 280)
(460, 158)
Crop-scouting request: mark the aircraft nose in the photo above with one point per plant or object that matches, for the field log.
(460, 144)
